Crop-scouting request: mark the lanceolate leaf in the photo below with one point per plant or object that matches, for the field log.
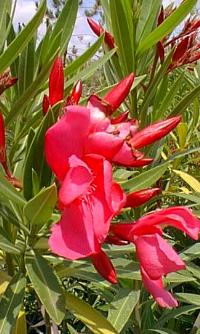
(22, 39)
(11, 302)
(47, 286)
(122, 307)
(89, 316)
(8, 191)
(39, 209)
(189, 179)
(146, 179)
(167, 26)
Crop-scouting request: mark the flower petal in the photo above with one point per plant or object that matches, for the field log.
(73, 237)
(181, 218)
(104, 266)
(156, 256)
(155, 287)
(104, 144)
(76, 182)
(65, 138)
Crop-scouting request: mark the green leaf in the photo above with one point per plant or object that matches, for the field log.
(147, 18)
(185, 102)
(145, 179)
(175, 313)
(39, 209)
(35, 158)
(11, 303)
(122, 307)
(167, 26)
(5, 8)
(6, 244)
(22, 39)
(123, 34)
(8, 191)
(189, 179)
(89, 316)
(150, 93)
(65, 23)
(189, 298)
(47, 286)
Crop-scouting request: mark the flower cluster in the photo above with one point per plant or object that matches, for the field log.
(81, 148)
(185, 45)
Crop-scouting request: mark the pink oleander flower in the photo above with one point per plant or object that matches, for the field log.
(157, 258)
(89, 199)
(73, 134)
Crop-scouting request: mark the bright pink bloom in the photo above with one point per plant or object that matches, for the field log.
(90, 199)
(156, 257)
(140, 197)
(153, 132)
(73, 134)
(98, 30)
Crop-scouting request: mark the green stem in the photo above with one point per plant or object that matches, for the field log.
(47, 323)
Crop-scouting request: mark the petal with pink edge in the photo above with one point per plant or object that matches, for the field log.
(73, 237)
(156, 256)
(65, 138)
(76, 182)
(155, 287)
(104, 144)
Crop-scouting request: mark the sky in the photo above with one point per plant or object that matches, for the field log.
(82, 34)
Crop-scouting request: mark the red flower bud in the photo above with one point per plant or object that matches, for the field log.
(2, 140)
(104, 266)
(118, 93)
(76, 93)
(154, 132)
(161, 51)
(140, 197)
(3, 159)
(121, 118)
(45, 104)
(56, 82)
(98, 30)
(181, 49)
(96, 27)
